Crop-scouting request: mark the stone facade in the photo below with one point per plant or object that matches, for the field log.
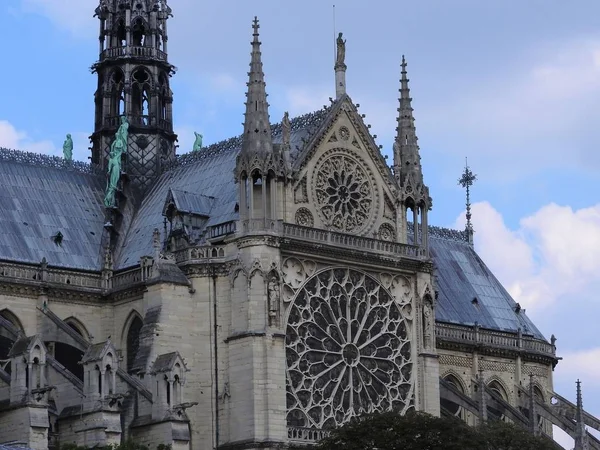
(289, 290)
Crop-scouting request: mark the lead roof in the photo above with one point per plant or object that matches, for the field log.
(42, 196)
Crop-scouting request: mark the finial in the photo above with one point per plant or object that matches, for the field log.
(579, 396)
(466, 181)
(255, 26)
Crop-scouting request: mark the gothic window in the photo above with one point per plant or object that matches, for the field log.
(121, 33)
(116, 89)
(5, 342)
(448, 406)
(164, 95)
(133, 340)
(348, 351)
(138, 33)
(140, 97)
(78, 327)
(497, 388)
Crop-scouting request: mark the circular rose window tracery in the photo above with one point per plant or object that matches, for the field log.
(344, 194)
(347, 351)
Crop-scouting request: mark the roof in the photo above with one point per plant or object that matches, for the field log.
(96, 352)
(21, 346)
(165, 362)
(188, 202)
(42, 196)
(461, 277)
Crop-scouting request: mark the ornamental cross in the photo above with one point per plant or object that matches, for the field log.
(466, 181)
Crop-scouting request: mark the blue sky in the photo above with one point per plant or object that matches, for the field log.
(512, 85)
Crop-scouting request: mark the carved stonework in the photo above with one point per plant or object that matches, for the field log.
(344, 133)
(304, 218)
(344, 192)
(333, 138)
(387, 232)
(356, 143)
(345, 329)
(300, 192)
(389, 212)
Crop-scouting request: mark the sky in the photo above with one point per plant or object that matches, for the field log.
(513, 86)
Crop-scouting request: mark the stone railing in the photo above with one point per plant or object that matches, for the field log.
(257, 225)
(133, 51)
(301, 434)
(222, 229)
(200, 253)
(43, 273)
(492, 338)
(353, 242)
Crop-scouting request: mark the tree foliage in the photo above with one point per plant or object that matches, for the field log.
(420, 431)
(130, 444)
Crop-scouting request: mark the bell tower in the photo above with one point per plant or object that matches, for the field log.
(134, 81)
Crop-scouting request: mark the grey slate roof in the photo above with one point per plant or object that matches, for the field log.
(461, 277)
(41, 196)
(188, 202)
(165, 362)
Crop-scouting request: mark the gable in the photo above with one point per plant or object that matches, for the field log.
(342, 181)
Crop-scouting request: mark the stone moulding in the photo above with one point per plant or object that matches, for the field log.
(494, 343)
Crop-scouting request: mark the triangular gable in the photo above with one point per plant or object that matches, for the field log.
(25, 344)
(97, 352)
(365, 141)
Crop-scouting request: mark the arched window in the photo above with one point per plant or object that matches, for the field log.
(78, 327)
(133, 340)
(141, 85)
(449, 406)
(116, 86)
(493, 413)
(6, 342)
(138, 33)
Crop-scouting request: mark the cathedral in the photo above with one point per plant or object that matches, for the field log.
(250, 294)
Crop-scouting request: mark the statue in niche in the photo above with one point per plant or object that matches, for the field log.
(286, 129)
(68, 148)
(197, 142)
(117, 148)
(427, 324)
(341, 51)
(273, 297)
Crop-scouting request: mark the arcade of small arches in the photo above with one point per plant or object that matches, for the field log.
(69, 356)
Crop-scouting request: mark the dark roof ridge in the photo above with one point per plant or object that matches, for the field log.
(234, 143)
(48, 161)
(448, 234)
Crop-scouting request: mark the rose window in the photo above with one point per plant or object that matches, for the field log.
(343, 192)
(347, 351)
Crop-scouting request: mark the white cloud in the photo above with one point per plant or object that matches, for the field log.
(14, 139)
(301, 100)
(554, 254)
(74, 16)
(583, 365)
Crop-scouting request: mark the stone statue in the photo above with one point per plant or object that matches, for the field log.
(68, 148)
(341, 51)
(427, 325)
(273, 297)
(286, 129)
(117, 148)
(197, 142)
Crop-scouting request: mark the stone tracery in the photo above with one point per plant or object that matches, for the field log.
(348, 350)
(344, 193)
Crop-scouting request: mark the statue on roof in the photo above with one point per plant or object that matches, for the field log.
(68, 148)
(341, 50)
(197, 142)
(117, 148)
(286, 129)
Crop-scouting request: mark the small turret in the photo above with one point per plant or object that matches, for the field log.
(414, 194)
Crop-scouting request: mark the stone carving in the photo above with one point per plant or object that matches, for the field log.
(304, 218)
(344, 133)
(427, 325)
(387, 233)
(68, 148)
(286, 129)
(197, 142)
(300, 192)
(355, 143)
(344, 194)
(453, 360)
(348, 351)
(117, 148)
(273, 295)
(332, 138)
(341, 51)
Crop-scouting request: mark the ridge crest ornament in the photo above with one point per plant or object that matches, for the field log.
(344, 193)
(348, 351)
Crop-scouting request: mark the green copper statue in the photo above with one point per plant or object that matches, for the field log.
(68, 148)
(117, 148)
(197, 142)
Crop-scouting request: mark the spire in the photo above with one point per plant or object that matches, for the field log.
(257, 129)
(466, 181)
(340, 66)
(581, 440)
(406, 150)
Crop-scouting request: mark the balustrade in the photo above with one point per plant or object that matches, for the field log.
(134, 52)
(302, 434)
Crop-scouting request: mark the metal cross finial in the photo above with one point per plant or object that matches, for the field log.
(255, 25)
(466, 181)
(403, 63)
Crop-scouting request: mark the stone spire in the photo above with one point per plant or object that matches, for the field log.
(581, 440)
(406, 152)
(257, 129)
(340, 66)
(414, 194)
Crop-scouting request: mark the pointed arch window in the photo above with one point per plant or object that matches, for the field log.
(140, 96)
(133, 340)
(5, 342)
(117, 95)
(139, 33)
